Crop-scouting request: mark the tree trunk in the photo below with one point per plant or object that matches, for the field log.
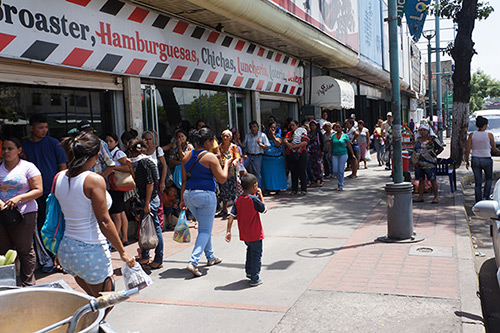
(462, 53)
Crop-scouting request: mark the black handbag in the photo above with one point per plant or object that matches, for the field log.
(10, 217)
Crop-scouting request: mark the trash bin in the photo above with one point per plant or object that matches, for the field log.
(399, 210)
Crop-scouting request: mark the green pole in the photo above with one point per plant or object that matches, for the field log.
(438, 79)
(429, 74)
(396, 98)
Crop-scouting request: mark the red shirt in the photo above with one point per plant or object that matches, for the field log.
(246, 209)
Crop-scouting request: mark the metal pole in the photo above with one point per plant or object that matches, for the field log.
(429, 75)
(438, 80)
(396, 95)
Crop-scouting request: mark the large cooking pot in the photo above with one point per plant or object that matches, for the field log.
(32, 309)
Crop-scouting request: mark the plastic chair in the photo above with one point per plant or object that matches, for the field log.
(446, 167)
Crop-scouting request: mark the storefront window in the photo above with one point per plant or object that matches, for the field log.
(177, 105)
(63, 107)
(279, 109)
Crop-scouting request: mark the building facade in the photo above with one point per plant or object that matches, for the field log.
(154, 64)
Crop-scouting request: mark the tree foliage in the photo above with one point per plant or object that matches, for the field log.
(482, 86)
(450, 9)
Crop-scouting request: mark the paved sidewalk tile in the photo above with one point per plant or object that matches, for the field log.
(366, 265)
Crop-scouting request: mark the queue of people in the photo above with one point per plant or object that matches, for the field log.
(193, 171)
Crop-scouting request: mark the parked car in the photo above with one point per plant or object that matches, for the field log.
(490, 209)
(493, 117)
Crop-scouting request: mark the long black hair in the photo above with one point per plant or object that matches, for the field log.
(79, 150)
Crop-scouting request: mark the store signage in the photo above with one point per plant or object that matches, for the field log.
(338, 19)
(121, 38)
(416, 12)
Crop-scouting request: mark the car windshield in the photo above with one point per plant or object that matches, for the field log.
(493, 124)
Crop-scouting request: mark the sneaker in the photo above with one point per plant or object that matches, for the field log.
(214, 261)
(256, 283)
(249, 276)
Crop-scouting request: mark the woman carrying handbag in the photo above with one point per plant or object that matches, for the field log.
(123, 165)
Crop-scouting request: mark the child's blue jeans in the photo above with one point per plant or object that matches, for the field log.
(254, 260)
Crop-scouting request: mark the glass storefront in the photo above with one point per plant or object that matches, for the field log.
(166, 107)
(279, 109)
(63, 107)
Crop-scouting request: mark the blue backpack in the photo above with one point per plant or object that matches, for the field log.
(54, 225)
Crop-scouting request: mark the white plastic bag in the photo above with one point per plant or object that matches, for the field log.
(135, 277)
(148, 239)
(368, 156)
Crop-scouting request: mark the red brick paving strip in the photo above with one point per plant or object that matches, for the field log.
(362, 265)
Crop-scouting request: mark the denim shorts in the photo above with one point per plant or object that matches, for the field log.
(421, 173)
(90, 262)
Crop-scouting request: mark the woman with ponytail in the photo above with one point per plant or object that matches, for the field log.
(84, 251)
(200, 169)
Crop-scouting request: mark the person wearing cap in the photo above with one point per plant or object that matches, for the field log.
(387, 129)
(353, 117)
(46, 153)
(424, 159)
(104, 164)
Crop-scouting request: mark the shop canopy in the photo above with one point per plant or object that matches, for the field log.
(331, 93)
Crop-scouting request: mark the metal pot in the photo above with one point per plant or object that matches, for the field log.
(32, 309)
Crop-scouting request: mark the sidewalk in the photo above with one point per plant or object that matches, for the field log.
(323, 271)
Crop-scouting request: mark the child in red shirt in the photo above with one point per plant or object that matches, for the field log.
(246, 209)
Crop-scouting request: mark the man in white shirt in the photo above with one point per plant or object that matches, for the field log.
(255, 144)
(323, 120)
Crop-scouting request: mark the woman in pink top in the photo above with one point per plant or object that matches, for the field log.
(20, 185)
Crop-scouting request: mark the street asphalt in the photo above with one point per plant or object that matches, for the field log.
(322, 268)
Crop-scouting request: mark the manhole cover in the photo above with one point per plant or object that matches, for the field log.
(431, 251)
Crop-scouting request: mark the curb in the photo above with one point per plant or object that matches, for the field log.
(470, 301)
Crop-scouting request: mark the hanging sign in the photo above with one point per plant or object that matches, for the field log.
(400, 8)
(121, 38)
(416, 12)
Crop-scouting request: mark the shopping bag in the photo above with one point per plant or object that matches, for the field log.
(385, 156)
(368, 156)
(181, 231)
(135, 277)
(148, 239)
(178, 176)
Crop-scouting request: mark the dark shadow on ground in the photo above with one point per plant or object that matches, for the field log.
(490, 295)
(238, 285)
(280, 265)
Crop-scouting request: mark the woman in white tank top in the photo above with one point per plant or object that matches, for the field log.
(479, 146)
(84, 201)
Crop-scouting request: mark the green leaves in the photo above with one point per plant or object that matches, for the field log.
(482, 86)
(449, 9)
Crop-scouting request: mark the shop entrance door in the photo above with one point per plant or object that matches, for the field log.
(149, 108)
(237, 109)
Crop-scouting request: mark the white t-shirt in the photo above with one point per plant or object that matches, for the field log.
(117, 154)
(156, 155)
(16, 181)
(362, 138)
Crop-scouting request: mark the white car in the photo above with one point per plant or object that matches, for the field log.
(493, 124)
